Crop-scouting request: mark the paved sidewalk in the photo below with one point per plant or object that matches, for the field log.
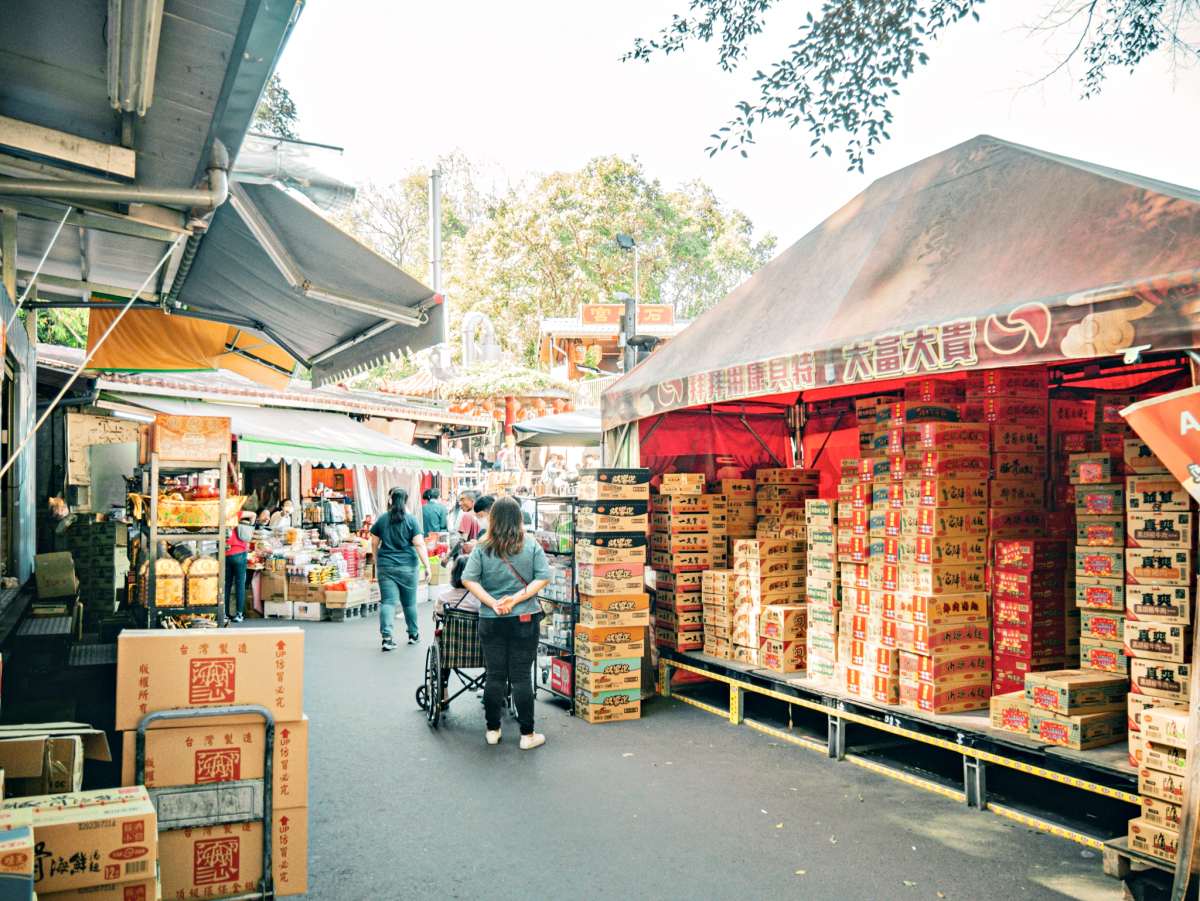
(677, 805)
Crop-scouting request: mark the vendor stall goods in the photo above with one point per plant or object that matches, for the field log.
(611, 548)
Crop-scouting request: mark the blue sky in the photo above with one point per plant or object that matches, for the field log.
(531, 86)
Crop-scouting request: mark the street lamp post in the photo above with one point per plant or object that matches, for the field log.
(629, 320)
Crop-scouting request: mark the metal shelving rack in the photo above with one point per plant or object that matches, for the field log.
(571, 604)
(151, 480)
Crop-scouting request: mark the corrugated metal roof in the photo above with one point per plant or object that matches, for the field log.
(229, 386)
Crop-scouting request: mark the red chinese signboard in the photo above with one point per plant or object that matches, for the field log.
(610, 314)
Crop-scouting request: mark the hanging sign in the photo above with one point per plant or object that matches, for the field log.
(1170, 426)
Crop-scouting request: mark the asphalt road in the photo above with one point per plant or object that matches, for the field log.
(677, 805)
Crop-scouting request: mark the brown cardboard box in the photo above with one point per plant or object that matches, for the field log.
(1103, 656)
(1080, 731)
(1158, 566)
(194, 438)
(1155, 493)
(1166, 726)
(167, 670)
(1160, 680)
(137, 890)
(223, 749)
(1139, 459)
(1164, 786)
(1068, 692)
(602, 643)
(55, 574)
(225, 860)
(785, 622)
(1162, 813)
(273, 586)
(1156, 841)
(1165, 759)
(1010, 712)
(614, 610)
(116, 830)
(45, 758)
(613, 484)
(1158, 641)
(1160, 530)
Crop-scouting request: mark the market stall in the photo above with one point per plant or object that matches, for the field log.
(897, 323)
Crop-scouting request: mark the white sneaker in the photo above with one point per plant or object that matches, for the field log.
(531, 741)
(493, 737)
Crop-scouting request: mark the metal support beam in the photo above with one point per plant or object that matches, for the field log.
(975, 782)
(93, 218)
(78, 287)
(49, 143)
(8, 252)
(836, 746)
(737, 703)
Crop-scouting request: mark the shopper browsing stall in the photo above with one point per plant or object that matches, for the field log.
(433, 513)
(236, 547)
(506, 571)
(398, 545)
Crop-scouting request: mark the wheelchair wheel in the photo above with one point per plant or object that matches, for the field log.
(433, 686)
(422, 696)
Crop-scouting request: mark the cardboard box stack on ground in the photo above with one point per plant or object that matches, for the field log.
(1158, 610)
(718, 528)
(741, 513)
(680, 551)
(1162, 777)
(720, 604)
(89, 844)
(1099, 566)
(614, 608)
(1072, 431)
(822, 589)
(45, 758)
(166, 670)
(780, 498)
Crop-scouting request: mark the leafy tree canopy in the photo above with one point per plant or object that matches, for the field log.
(848, 59)
(276, 113)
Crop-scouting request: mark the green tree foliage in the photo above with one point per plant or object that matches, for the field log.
(847, 61)
(551, 246)
(62, 326)
(276, 113)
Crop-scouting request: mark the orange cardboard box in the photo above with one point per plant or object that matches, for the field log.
(168, 670)
(139, 890)
(224, 749)
(226, 860)
(115, 832)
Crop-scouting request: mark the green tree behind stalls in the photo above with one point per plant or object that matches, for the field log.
(276, 113)
(846, 62)
(549, 247)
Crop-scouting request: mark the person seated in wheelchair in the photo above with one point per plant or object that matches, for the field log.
(456, 596)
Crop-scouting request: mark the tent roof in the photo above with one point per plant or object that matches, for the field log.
(266, 434)
(987, 254)
(578, 429)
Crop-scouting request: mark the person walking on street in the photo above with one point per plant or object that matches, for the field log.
(505, 571)
(433, 514)
(398, 545)
(237, 544)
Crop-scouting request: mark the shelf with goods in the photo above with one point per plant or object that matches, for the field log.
(554, 530)
(156, 536)
(958, 571)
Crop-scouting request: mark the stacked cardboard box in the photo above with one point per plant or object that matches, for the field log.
(159, 670)
(943, 628)
(679, 553)
(1159, 550)
(1099, 560)
(1077, 709)
(1072, 431)
(767, 572)
(783, 635)
(1015, 405)
(779, 501)
(614, 608)
(872, 437)
(1162, 776)
(717, 593)
(72, 835)
(1028, 609)
(822, 589)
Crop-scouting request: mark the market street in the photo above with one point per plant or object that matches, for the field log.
(675, 805)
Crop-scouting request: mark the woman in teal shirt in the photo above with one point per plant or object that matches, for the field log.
(506, 570)
(398, 545)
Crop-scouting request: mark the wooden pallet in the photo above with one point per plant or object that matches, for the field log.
(1120, 860)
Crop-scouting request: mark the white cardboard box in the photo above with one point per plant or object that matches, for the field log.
(280, 609)
(307, 610)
